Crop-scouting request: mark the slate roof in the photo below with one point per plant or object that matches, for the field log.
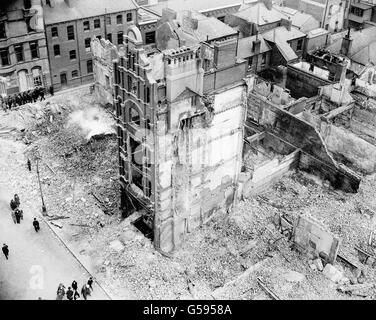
(281, 36)
(245, 47)
(197, 5)
(84, 9)
(259, 14)
(211, 28)
(298, 18)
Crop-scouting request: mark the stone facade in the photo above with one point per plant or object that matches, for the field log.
(24, 60)
(174, 117)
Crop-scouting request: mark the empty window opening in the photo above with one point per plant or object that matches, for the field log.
(134, 116)
(143, 225)
(136, 155)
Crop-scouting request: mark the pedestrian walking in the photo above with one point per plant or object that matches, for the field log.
(5, 251)
(17, 200)
(13, 204)
(74, 285)
(60, 292)
(13, 215)
(90, 283)
(51, 90)
(18, 215)
(69, 293)
(29, 164)
(36, 226)
(85, 291)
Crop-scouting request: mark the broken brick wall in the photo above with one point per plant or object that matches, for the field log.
(302, 135)
(198, 162)
(311, 236)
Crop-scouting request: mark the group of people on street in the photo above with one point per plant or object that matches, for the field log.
(17, 213)
(19, 99)
(17, 216)
(72, 292)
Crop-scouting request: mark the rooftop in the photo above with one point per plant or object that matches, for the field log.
(245, 46)
(197, 5)
(298, 18)
(258, 13)
(283, 34)
(210, 28)
(81, 9)
(317, 32)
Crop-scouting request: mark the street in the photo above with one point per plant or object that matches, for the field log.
(38, 262)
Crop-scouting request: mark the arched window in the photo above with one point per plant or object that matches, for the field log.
(134, 116)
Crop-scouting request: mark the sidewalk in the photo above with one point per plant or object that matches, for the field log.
(38, 262)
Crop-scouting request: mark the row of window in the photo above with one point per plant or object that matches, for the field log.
(19, 52)
(86, 25)
(89, 68)
(87, 41)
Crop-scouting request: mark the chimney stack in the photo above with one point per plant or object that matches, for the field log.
(256, 45)
(287, 23)
(346, 44)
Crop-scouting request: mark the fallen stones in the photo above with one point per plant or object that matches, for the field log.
(318, 264)
(294, 276)
(334, 274)
(116, 245)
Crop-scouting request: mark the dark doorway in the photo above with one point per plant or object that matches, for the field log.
(145, 227)
(63, 79)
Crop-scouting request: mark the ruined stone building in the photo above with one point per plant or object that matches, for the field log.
(23, 53)
(103, 54)
(180, 132)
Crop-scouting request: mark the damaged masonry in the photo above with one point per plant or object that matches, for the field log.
(182, 150)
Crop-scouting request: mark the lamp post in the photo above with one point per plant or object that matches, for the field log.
(44, 210)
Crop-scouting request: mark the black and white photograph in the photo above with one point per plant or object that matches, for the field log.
(192, 153)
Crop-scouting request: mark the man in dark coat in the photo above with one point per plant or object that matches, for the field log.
(18, 215)
(13, 204)
(85, 291)
(36, 225)
(69, 293)
(34, 95)
(51, 90)
(17, 200)
(74, 285)
(5, 251)
(29, 164)
(90, 283)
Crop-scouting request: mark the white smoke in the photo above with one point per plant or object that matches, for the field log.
(92, 121)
